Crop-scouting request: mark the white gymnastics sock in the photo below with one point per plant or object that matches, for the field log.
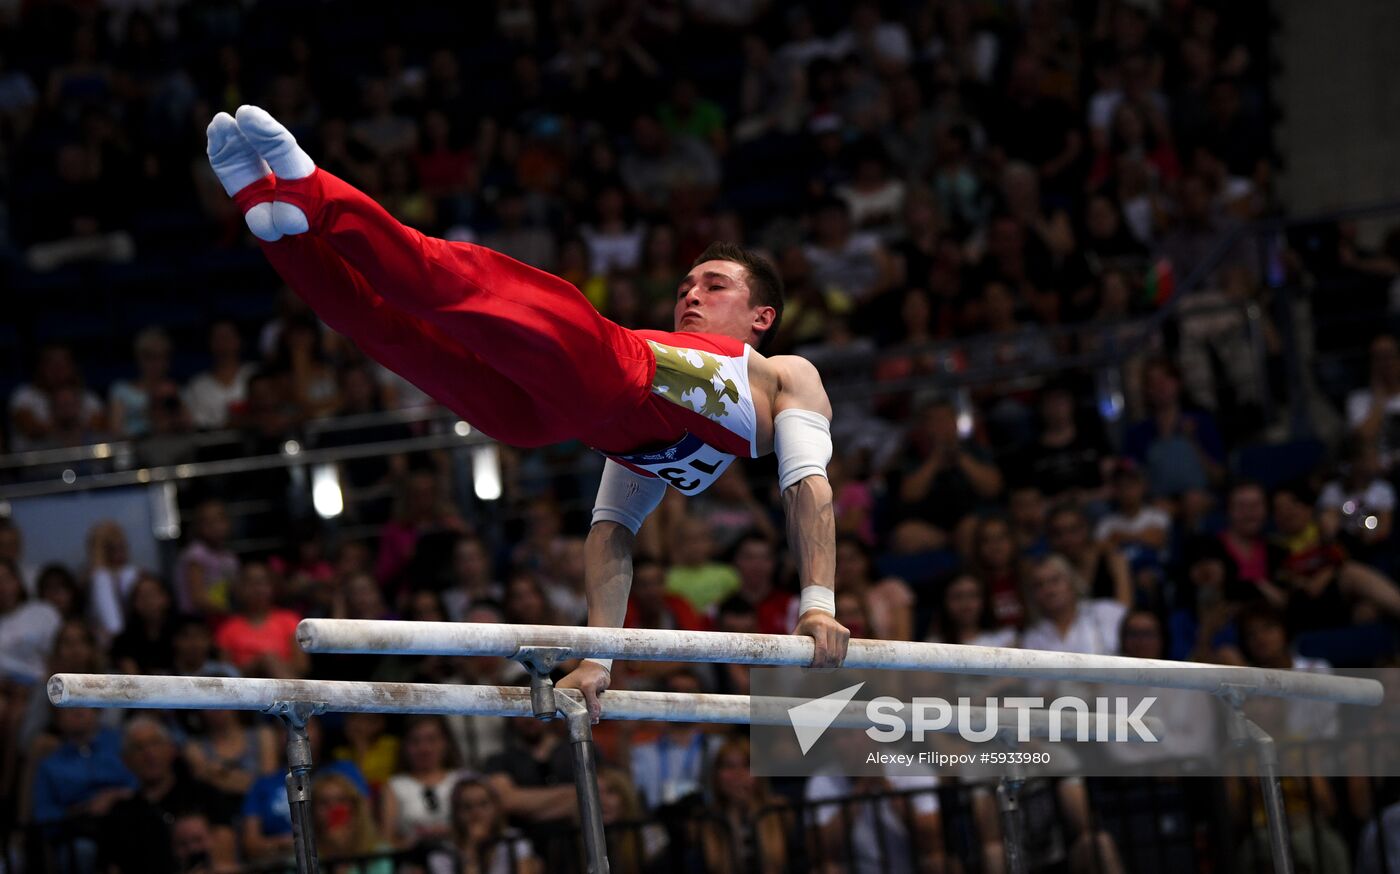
(288, 161)
(237, 165)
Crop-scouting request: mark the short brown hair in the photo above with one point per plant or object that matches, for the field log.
(765, 284)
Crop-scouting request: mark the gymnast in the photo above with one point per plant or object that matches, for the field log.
(523, 356)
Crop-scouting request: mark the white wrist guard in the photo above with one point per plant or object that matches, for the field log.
(605, 663)
(817, 598)
(802, 442)
(625, 497)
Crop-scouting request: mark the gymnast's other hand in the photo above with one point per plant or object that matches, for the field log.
(829, 638)
(590, 678)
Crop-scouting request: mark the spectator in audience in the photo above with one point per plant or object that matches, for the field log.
(534, 778)
(145, 643)
(1180, 449)
(85, 775)
(260, 638)
(1065, 460)
(1132, 524)
(658, 165)
(481, 840)
(851, 264)
(651, 606)
(525, 602)
(671, 768)
(756, 561)
(746, 825)
(75, 651)
(1373, 413)
(889, 601)
(1101, 568)
(207, 568)
(420, 510)
(1025, 504)
(634, 846)
(196, 847)
(694, 574)
(265, 818)
(1324, 588)
(309, 382)
(1358, 508)
(152, 403)
(1070, 621)
(898, 831)
(1192, 728)
(359, 598)
(370, 747)
(12, 550)
(938, 482)
(231, 753)
(340, 813)
(513, 236)
(965, 616)
(999, 570)
(415, 807)
(110, 576)
(32, 405)
(137, 834)
(564, 583)
(57, 586)
(1308, 800)
(1246, 518)
(730, 510)
(27, 632)
(472, 578)
(192, 651)
(215, 397)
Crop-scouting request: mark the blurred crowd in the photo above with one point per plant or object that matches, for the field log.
(919, 172)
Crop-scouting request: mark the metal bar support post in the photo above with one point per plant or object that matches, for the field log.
(539, 661)
(1244, 730)
(295, 715)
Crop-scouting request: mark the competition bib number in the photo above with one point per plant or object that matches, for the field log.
(689, 466)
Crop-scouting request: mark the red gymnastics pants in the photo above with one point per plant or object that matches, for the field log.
(515, 351)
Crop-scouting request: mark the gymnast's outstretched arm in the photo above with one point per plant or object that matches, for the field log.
(625, 499)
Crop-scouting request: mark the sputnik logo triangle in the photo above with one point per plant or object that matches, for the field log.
(811, 720)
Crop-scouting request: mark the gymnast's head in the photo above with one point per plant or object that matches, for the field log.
(734, 292)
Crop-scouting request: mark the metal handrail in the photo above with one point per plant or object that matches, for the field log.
(292, 454)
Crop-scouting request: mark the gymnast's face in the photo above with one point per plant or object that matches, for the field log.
(714, 298)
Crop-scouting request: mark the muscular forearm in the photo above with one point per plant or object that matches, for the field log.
(608, 574)
(811, 525)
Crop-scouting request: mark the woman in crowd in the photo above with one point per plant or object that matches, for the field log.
(998, 568)
(481, 842)
(231, 752)
(526, 603)
(144, 646)
(746, 827)
(370, 746)
(260, 638)
(889, 601)
(634, 846)
(151, 404)
(415, 806)
(1103, 570)
(110, 576)
(344, 827)
(207, 568)
(27, 632)
(965, 616)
